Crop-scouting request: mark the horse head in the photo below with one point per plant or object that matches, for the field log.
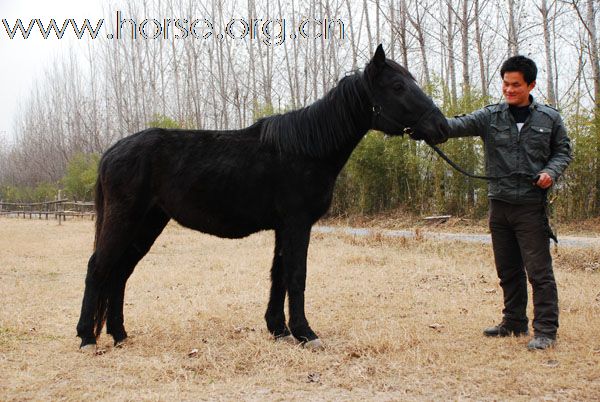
(399, 105)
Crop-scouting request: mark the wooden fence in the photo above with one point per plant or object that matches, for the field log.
(60, 210)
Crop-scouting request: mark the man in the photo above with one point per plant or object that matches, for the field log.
(528, 141)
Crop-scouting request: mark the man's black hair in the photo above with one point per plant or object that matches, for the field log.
(521, 64)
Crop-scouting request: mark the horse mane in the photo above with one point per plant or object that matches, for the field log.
(399, 68)
(322, 127)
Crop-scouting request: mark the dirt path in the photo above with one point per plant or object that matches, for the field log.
(567, 241)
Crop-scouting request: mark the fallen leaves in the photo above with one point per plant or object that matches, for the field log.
(436, 326)
(313, 377)
(239, 330)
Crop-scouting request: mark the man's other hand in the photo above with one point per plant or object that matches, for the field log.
(544, 181)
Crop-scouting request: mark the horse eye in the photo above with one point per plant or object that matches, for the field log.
(398, 87)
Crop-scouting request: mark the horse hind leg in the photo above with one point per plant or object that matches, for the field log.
(89, 308)
(111, 243)
(275, 315)
(154, 223)
(114, 313)
(95, 300)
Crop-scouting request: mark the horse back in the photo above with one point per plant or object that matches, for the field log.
(225, 183)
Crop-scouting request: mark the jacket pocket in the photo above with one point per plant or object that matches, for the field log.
(539, 142)
(500, 134)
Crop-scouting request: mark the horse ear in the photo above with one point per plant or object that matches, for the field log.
(379, 56)
(376, 63)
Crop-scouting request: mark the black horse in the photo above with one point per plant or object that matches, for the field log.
(277, 174)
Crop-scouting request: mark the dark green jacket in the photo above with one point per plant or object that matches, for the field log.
(541, 146)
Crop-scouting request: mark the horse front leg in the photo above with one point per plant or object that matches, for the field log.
(295, 248)
(275, 315)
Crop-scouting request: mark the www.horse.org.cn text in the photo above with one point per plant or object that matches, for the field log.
(270, 31)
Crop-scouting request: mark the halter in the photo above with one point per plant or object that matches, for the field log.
(377, 110)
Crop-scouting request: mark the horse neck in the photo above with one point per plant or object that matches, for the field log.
(355, 118)
(327, 130)
(343, 154)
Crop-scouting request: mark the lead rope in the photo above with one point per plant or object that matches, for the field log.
(475, 176)
(378, 110)
(549, 230)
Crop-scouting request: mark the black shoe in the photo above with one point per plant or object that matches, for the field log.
(503, 329)
(540, 342)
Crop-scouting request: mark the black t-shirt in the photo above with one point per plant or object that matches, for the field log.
(520, 114)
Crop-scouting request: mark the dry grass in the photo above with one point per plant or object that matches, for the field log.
(401, 320)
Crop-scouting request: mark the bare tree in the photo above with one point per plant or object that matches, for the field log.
(465, 23)
(353, 39)
(513, 30)
(121, 85)
(483, 76)
(418, 22)
(367, 22)
(393, 22)
(402, 32)
(589, 23)
(546, 26)
(450, 32)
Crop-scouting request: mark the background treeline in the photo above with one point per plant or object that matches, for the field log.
(102, 90)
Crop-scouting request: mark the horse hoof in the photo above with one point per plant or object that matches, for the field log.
(315, 344)
(122, 343)
(287, 339)
(90, 349)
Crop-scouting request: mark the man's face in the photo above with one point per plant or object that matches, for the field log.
(515, 89)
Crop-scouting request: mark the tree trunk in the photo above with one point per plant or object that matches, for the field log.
(451, 57)
(513, 39)
(418, 24)
(479, 43)
(464, 29)
(353, 44)
(594, 54)
(403, 17)
(550, 95)
(368, 24)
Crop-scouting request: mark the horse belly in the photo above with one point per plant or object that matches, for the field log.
(218, 227)
(219, 199)
(221, 222)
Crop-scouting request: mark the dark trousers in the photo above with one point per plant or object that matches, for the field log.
(521, 244)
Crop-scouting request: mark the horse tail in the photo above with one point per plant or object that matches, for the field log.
(100, 315)
(100, 312)
(99, 206)
(102, 303)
